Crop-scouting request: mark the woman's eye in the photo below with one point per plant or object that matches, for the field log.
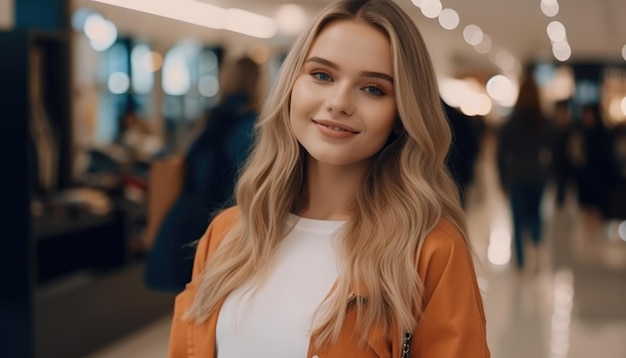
(322, 76)
(373, 90)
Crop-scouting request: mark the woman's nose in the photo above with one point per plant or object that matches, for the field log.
(341, 101)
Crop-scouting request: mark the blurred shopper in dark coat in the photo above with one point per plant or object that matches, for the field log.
(592, 154)
(211, 165)
(463, 150)
(563, 166)
(524, 163)
(616, 205)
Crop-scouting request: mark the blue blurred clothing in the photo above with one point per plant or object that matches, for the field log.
(525, 208)
(211, 169)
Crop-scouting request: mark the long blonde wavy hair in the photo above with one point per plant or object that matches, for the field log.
(406, 192)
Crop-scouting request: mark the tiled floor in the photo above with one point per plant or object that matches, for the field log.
(574, 306)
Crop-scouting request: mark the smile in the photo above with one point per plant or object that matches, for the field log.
(335, 131)
(335, 126)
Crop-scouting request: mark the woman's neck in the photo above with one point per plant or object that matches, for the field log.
(330, 190)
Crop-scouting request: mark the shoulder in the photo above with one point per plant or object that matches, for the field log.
(219, 227)
(224, 221)
(445, 238)
(445, 253)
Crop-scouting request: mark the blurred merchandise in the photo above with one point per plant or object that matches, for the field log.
(74, 203)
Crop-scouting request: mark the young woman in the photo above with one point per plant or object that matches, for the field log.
(211, 166)
(525, 165)
(348, 239)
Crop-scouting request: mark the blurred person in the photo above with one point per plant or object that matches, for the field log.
(563, 166)
(591, 153)
(464, 149)
(524, 164)
(211, 167)
(616, 206)
(348, 238)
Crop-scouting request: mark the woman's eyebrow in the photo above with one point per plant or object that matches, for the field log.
(380, 75)
(323, 61)
(335, 66)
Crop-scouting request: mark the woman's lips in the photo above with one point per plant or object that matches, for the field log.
(336, 126)
(334, 130)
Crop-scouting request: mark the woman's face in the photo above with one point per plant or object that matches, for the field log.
(343, 105)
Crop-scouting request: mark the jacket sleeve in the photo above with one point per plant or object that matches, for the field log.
(452, 324)
(183, 301)
(207, 244)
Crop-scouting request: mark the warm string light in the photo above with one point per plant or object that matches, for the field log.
(557, 34)
(469, 97)
(449, 20)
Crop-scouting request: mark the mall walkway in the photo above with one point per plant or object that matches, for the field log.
(573, 306)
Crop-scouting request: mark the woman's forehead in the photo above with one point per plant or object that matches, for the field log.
(354, 44)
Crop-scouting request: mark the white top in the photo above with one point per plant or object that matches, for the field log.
(276, 321)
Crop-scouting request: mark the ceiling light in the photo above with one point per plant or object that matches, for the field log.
(291, 19)
(118, 83)
(449, 19)
(249, 23)
(203, 14)
(556, 31)
(101, 32)
(484, 46)
(453, 91)
(505, 60)
(431, 8)
(472, 34)
(550, 10)
(500, 88)
(176, 79)
(561, 50)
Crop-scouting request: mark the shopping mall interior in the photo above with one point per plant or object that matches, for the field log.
(104, 100)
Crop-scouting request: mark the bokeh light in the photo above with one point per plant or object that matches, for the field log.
(449, 19)
(291, 19)
(473, 34)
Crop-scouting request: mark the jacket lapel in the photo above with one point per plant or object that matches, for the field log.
(201, 339)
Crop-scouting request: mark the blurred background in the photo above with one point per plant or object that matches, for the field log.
(102, 101)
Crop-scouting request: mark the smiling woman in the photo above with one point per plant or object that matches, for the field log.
(348, 238)
(343, 106)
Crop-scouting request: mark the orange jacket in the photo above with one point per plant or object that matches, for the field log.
(452, 324)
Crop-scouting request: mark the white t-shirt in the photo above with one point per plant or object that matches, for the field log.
(276, 321)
